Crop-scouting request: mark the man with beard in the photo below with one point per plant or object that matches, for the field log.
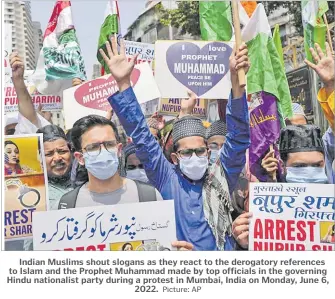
(202, 218)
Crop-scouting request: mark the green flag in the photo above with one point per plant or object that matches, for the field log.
(266, 72)
(215, 21)
(110, 26)
(278, 45)
(314, 28)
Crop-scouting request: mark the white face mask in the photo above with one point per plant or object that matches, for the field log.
(195, 167)
(137, 174)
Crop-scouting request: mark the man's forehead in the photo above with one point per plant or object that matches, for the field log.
(306, 157)
(50, 145)
(217, 139)
(192, 142)
(98, 134)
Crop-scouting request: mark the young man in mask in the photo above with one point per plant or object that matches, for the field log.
(302, 153)
(98, 148)
(216, 137)
(185, 180)
(134, 168)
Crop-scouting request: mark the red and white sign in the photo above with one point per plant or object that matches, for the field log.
(292, 217)
(91, 97)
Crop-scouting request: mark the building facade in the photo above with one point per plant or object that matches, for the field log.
(96, 71)
(18, 14)
(148, 29)
(38, 39)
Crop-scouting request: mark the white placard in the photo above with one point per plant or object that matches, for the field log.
(200, 66)
(292, 217)
(145, 226)
(91, 96)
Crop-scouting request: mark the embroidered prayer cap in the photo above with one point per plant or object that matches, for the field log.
(129, 149)
(188, 126)
(300, 138)
(218, 127)
(152, 123)
(51, 133)
(297, 109)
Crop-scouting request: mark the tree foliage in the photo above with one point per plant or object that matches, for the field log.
(186, 16)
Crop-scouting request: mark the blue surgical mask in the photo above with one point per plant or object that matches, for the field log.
(103, 166)
(195, 167)
(314, 175)
(213, 157)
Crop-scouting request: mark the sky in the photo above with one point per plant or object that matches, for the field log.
(88, 16)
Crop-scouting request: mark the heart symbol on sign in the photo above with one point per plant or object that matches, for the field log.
(192, 66)
(94, 94)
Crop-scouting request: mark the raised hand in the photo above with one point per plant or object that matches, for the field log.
(187, 105)
(17, 66)
(239, 59)
(118, 63)
(324, 64)
(76, 81)
(270, 164)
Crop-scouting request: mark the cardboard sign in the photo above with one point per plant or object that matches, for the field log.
(48, 102)
(113, 227)
(202, 67)
(292, 217)
(91, 96)
(26, 184)
(146, 52)
(172, 107)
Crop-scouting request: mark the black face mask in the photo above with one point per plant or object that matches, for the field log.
(10, 132)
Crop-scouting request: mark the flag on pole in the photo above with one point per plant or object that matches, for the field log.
(278, 45)
(110, 26)
(267, 83)
(215, 20)
(249, 7)
(266, 72)
(60, 58)
(314, 27)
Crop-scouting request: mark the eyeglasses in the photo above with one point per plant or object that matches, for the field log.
(188, 153)
(94, 149)
(213, 146)
(133, 167)
(59, 151)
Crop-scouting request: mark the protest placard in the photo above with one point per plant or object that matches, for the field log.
(200, 66)
(146, 52)
(137, 226)
(173, 106)
(91, 97)
(299, 83)
(292, 217)
(25, 184)
(48, 102)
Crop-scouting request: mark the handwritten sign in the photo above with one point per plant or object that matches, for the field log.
(109, 227)
(25, 184)
(202, 67)
(146, 52)
(299, 83)
(292, 217)
(91, 96)
(172, 107)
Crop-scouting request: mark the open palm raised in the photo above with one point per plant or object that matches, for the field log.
(324, 64)
(118, 63)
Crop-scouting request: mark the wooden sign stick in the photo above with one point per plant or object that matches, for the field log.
(238, 38)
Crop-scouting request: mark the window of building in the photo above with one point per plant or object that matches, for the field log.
(150, 36)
